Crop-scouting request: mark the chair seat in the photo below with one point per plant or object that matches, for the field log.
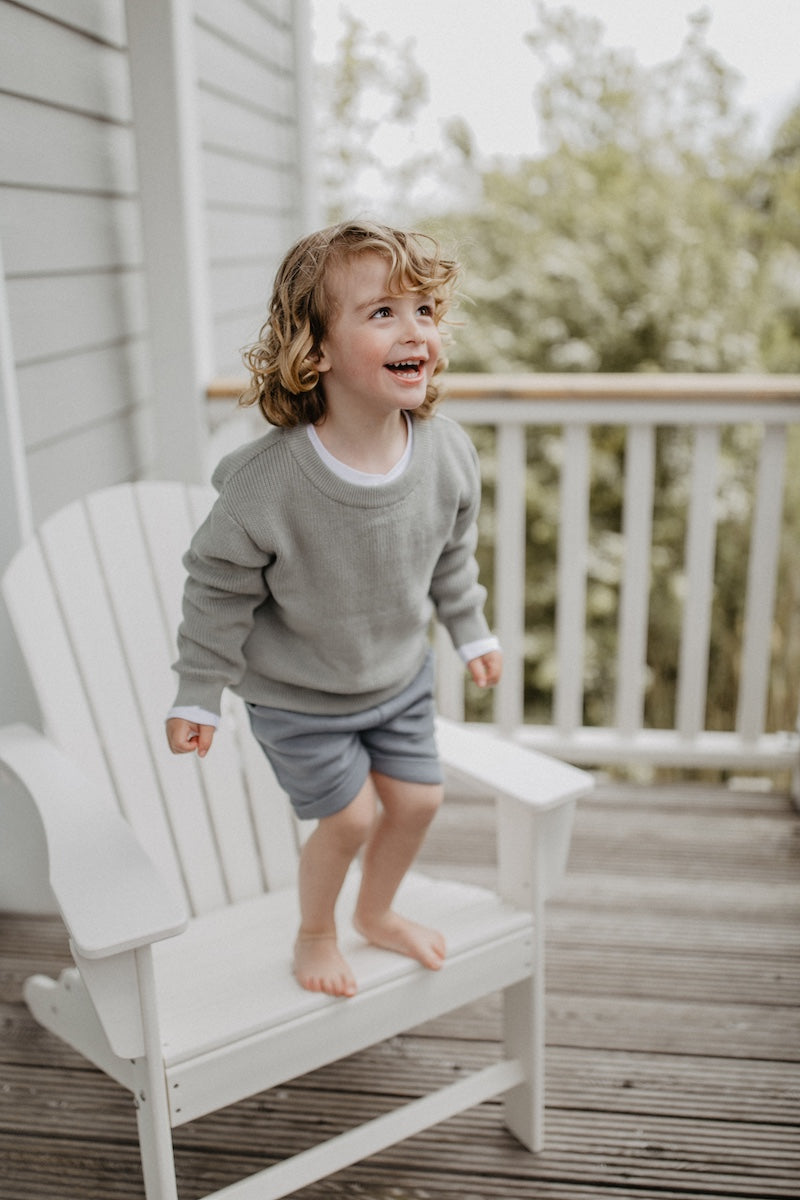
(228, 977)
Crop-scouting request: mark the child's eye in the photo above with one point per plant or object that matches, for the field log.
(425, 310)
(384, 311)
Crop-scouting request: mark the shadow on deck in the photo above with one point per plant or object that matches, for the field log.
(673, 1035)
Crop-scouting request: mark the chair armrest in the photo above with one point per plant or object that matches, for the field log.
(505, 769)
(536, 797)
(111, 895)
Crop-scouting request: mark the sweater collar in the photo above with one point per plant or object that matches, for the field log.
(344, 492)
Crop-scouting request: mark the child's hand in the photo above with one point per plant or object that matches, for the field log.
(486, 669)
(186, 736)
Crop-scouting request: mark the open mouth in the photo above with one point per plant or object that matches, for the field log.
(409, 367)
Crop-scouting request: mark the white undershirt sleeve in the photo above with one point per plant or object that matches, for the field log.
(475, 649)
(195, 714)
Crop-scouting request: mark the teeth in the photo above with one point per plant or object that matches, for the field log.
(412, 365)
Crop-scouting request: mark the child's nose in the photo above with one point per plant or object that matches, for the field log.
(412, 330)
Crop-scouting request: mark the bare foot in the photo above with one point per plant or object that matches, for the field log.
(319, 967)
(393, 932)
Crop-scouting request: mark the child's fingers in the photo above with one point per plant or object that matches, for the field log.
(179, 735)
(185, 736)
(480, 671)
(493, 663)
(485, 670)
(477, 671)
(205, 736)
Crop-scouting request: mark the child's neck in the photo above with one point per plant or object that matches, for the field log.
(373, 446)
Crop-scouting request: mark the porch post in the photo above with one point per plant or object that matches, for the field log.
(161, 43)
(23, 855)
(16, 696)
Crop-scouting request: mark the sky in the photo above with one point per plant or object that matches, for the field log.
(479, 67)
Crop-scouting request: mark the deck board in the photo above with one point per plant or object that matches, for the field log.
(673, 1036)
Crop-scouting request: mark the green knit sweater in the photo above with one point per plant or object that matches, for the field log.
(310, 593)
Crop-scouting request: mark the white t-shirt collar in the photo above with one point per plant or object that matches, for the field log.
(364, 478)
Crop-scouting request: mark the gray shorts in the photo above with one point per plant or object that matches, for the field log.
(322, 762)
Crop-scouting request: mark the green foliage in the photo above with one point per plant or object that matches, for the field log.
(776, 199)
(590, 96)
(633, 243)
(649, 235)
(597, 263)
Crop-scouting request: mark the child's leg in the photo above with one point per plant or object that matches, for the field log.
(324, 861)
(408, 809)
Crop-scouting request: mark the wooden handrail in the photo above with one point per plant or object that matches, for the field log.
(688, 388)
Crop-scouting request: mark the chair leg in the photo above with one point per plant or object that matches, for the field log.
(524, 1017)
(524, 1040)
(155, 1143)
(152, 1111)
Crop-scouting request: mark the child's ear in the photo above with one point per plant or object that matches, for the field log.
(320, 360)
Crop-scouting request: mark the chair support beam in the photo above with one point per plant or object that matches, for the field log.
(348, 1148)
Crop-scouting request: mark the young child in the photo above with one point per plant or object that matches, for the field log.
(312, 583)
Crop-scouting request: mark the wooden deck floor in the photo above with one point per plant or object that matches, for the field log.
(673, 1036)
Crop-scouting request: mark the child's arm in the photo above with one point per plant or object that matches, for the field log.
(185, 736)
(487, 668)
(225, 583)
(457, 595)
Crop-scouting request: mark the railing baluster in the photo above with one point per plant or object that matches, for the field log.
(573, 538)
(635, 590)
(640, 404)
(449, 677)
(762, 574)
(700, 541)
(509, 575)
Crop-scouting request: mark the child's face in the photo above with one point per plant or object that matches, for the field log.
(380, 350)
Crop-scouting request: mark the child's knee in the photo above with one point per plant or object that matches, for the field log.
(351, 826)
(413, 805)
(428, 801)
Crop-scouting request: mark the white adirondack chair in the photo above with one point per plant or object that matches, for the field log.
(176, 879)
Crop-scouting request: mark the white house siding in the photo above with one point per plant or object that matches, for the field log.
(250, 140)
(74, 271)
(69, 228)
(69, 218)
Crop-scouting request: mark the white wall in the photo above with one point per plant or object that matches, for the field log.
(69, 229)
(73, 250)
(250, 154)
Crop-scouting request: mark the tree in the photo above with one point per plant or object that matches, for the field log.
(776, 199)
(649, 235)
(628, 244)
(370, 96)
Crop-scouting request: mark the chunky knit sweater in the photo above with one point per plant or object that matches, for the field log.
(310, 593)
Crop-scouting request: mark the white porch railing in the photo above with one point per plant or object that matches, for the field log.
(569, 408)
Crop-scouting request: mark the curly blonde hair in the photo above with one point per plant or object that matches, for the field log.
(284, 380)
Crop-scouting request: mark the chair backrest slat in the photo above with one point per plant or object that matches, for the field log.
(275, 830)
(72, 555)
(126, 567)
(117, 635)
(112, 565)
(39, 625)
(225, 794)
